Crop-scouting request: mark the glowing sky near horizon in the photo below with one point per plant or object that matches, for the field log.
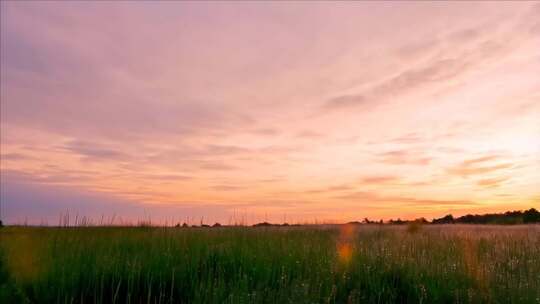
(328, 111)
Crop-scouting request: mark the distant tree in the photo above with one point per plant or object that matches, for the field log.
(397, 222)
(216, 225)
(1, 224)
(506, 218)
(421, 220)
(530, 216)
(263, 224)
(448, 219)
(184, 225)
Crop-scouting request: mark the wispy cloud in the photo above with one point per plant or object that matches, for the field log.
(403, 157)
(372, 197)
(94, 151)
(474, 161)
(309, 134)
(266, 131)
(14, 156)
(379, 180)
(492, 182)
(227, 188)
(478, 166)
(473, 47)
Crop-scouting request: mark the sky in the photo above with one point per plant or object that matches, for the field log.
(279, 111)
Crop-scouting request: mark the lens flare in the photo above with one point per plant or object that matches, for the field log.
(345, 243)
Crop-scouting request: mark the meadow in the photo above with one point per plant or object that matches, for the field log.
(305, 264)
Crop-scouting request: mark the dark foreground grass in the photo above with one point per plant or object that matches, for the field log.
(331, 264)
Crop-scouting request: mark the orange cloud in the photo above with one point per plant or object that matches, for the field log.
(474, 161)
(372, 197)
(403, 157)
(477, 166)
(379, 179)
(492, 182)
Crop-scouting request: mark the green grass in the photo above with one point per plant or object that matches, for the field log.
(325, 264)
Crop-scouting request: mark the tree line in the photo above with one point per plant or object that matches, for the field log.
(508, 218)
(530, 216)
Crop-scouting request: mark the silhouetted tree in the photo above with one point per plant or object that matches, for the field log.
(263, 224)
(531, 216)
(397, 222)
(507, 218)
(421, 220)
(448, 219)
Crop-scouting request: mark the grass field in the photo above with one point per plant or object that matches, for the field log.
(310, 264)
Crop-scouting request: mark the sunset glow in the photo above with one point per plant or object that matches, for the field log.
(276, 111)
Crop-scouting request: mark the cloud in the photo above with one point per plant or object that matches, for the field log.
(403, 157)
(408, 80)
(222, 150)
(164, 177)
(345, 101)
(339, 188)
(24, 199)
(165, 113)
(309, 134)
(474, 161)
(473, 47)
(420, 138)
(94, 151)
(270, 180)
(450, 150)
(81, 92)
(216, 166)
(397, 85)
(397, 201)
(38, 202)
(492, 182)
(330, 189)
(408, 138)
(227, 188)
(465, 171)
(266, 131)
(377, 180)
(374, 180)
(15, 156)
(478, 166)
(48, 177)
(200, 154)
